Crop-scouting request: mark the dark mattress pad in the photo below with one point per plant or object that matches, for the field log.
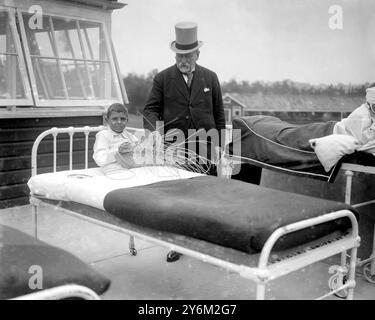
(227, 212)
(19, 252)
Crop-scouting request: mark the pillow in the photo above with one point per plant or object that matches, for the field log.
(330, 149)
(54, 185)
(22, 257)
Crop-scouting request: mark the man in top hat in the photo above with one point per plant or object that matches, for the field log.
(186, 95)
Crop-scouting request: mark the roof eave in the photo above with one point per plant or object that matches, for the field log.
(106, 5)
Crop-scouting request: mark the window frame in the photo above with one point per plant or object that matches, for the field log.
(28, 100)
(71, 102)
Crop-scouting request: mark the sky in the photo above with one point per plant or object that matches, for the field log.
(265, 40)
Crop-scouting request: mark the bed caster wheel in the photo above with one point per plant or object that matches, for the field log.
(336, 281)
(133, 251)
(367, 273)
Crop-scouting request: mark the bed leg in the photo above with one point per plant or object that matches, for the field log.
(343, 258)
(34, 210)
(369, 267)
(261, 290)
(132, 249)
(348, 188)
(351, 277)
(348, 193)
(344, 275)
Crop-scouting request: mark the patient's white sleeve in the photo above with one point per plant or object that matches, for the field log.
(104, 151)
(359, 125)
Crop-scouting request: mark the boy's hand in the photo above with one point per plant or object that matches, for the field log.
(125, 147)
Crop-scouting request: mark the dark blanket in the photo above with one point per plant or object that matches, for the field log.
(19, 252)
(274, 142)
(227, 212)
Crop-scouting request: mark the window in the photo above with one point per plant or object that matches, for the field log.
(14, 85)
(63, 62)
(70, 60)
(237, 111)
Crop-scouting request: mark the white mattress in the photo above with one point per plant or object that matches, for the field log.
(90, 186)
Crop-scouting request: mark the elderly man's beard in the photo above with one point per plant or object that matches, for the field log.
(184, 67)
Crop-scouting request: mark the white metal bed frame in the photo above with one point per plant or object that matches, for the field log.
(264, 272)
(62, 292)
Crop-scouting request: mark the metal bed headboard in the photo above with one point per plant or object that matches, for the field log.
(71, 131)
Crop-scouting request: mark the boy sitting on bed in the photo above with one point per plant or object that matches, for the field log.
(113, 148)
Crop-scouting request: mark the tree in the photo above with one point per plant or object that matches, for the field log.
(138, 88)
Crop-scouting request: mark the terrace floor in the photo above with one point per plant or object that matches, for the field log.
(149, 276)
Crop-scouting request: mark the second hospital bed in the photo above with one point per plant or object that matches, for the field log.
(31, 269)
(259, 233)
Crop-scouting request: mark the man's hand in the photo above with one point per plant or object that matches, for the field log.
(125, 147)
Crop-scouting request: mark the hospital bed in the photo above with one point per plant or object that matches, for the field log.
(31, 269)
(274, 255)
(261, 136)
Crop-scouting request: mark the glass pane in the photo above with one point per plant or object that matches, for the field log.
(39, 39)
(75, 41)
(73, 35)
(114, 92)
(48, 79)
(93, 40)
(102, 80)
(11, 86)
(6, 39)
(67, 40)
(76, 80)
(94, 71)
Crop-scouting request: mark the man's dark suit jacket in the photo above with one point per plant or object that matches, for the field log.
(170, 101)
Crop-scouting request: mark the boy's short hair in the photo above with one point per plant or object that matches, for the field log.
(117, 107)
(372, 85)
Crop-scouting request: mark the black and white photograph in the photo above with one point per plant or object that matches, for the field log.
(187, 155)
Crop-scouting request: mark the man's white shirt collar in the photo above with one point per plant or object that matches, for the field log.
(185, 75)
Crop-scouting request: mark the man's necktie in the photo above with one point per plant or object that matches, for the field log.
(189, 79)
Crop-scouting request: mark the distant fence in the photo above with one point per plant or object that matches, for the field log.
(297, 117)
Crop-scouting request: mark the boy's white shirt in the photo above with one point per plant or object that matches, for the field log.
(106, 146)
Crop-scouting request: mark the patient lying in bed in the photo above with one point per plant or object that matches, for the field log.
(354, 133)
(113, 148)
(361, 123)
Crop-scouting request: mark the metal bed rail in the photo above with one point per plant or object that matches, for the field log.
(62, 292)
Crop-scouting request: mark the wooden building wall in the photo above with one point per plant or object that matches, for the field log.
(231, 105)
(16, 139)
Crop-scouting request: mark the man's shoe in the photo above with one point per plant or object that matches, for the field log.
(173, 256)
